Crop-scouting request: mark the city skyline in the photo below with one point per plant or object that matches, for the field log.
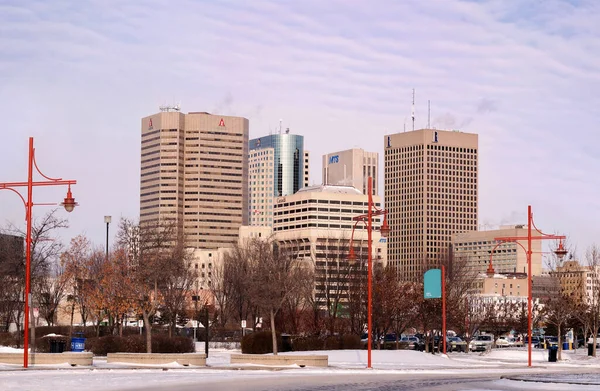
(522, 77)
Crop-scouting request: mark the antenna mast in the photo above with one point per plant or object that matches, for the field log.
(413, 110)
(428, 114)
(280, 121)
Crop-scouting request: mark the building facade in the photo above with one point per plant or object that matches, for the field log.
(572, 277)
(194, 171)
(260, 186)
(315, 225)
(474, 248)
(430, 187)
(351, 168)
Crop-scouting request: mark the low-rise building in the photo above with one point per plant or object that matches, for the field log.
(316, 225)
(476, 247)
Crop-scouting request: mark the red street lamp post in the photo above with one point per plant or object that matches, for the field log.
(69, 204)
(367, 218)
(560, 252)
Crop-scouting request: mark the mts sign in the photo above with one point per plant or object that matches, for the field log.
(334, 159)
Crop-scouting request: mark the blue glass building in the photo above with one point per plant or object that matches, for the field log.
(288, 170)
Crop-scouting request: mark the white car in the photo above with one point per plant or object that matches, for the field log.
(503, 342)
(481, 343)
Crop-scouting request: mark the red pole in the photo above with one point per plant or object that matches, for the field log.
(28, 252)
(369, 268)
(444, 307)
(529, 309)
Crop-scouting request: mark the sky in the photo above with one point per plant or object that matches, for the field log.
(524, 75)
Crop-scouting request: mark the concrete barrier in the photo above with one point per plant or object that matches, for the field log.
(281, 359)
(157, 358)
(71, 358)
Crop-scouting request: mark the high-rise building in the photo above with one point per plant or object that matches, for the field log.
(351, 168)
(430, 182)
(195, 172)
(260, 186)
(278, 166)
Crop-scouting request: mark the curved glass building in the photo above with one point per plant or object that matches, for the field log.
(288, 161)
(277, 167)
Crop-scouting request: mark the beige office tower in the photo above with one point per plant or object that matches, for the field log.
(430, 182)
(351, 168)
(195, 172)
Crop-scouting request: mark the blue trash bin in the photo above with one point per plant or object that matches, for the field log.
(78, 343)
(565, 346)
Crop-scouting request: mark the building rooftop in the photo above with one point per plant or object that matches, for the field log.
(331, 189)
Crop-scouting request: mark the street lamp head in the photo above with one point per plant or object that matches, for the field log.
(385, 228)
(560, 251)
(69, 203)
(107, 219)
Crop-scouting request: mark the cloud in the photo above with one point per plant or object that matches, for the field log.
(486, 105)
(524, 76)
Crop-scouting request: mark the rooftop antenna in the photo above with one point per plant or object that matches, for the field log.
(280, 121)
(405, 124)
(428, 114)
(413, 110)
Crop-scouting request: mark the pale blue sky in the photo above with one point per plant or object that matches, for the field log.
(525, 75)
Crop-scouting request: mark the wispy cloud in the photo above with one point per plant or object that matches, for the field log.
(524, 75)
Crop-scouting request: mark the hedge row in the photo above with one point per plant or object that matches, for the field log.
(137, 344)
(262, 342)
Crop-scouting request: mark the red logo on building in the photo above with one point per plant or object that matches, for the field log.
(150, 124)
(222, 123)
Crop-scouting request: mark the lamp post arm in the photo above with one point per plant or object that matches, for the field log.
(3, 187)
(40, 172)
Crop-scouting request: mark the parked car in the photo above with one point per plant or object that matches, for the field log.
(456, 344)
(502, 342)
(591, 341)
(481, 343)
(535, 341)
(508, 341)
(551, 341)
(411, 340)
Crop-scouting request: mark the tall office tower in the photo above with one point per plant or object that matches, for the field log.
(351, 168)
(283, 173)
(260, 186)
(195, 172)
(430, 182)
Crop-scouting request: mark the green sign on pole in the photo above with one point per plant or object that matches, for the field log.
(432, 284)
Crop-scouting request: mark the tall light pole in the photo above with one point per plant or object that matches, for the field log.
(367, 218)
(560, 252)
(107, 220)
(68, 203)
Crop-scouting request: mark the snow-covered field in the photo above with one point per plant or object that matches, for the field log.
(103, 376)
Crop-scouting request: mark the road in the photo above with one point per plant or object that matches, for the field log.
(376, 382)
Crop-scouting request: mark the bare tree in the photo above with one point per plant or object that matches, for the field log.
(12, 276)
(50, 290)
(178, 281)
(591, 312)
(275, 275)
(236, 284)
(559, 309)
(150, 251)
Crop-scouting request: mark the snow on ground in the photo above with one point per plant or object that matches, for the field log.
(8, 349)
(103, 376)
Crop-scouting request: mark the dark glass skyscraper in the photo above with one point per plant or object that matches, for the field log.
(288, 165)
